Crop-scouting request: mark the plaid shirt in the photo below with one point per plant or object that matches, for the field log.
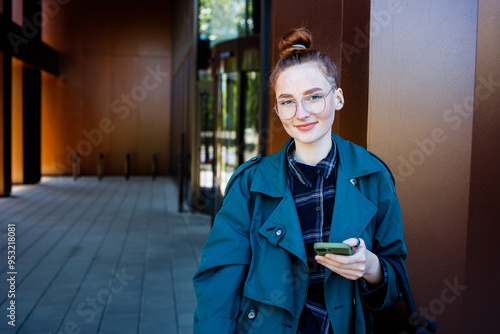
(313, 190)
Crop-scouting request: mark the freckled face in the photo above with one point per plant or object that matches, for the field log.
(297, 82)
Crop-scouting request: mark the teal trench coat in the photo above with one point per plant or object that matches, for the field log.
(253, 275)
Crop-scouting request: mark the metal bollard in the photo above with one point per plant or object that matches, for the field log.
(127, 166)
(76, 166)
(100, 166)
(153, 166)
(181, 175)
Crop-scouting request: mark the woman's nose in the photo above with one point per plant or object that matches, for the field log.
(301, 112)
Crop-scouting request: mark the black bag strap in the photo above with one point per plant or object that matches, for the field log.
(420, 326)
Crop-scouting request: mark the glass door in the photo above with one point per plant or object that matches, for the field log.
(227, 129)
(250, 114)
(236, 80)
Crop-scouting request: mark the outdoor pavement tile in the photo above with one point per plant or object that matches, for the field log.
(72, 243)
(48, 312)
(186, 330)
(159, 326)
(121, 331)
(40, 327)
(120, 322)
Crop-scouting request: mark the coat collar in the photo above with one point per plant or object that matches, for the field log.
(271, 176)
(352, 210)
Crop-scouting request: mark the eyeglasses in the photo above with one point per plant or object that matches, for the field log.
(314, 104)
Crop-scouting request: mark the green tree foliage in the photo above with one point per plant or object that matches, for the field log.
(221, 20)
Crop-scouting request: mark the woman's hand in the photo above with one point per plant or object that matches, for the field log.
(363, 263)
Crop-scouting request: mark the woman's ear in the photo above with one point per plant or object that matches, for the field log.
(339, 95)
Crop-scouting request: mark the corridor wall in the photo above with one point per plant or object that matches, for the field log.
(113, 95)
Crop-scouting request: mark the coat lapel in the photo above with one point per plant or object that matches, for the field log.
(271, 180)
(352, 211)
(285, 220)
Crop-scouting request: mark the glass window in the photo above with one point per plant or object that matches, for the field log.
(206, 139)
(17, 12)
(227, 129)
(220, 20)
(251, 86)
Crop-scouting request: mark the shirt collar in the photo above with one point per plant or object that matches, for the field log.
(299, 170)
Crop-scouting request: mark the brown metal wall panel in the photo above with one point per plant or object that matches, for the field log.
(482, 272)
(422, 70)
(114, 92)
(352, 119)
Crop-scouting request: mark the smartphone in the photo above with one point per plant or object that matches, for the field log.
(340, 248)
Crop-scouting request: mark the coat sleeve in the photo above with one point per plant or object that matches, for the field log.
(218, 283)
(388, 241)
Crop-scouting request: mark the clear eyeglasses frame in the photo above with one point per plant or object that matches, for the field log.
(314, 104)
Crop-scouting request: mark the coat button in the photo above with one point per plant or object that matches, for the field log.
(318, 208)
(279, 232)
(353, 181)
(251, 314)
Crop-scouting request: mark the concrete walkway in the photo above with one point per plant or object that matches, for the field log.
(109, 256)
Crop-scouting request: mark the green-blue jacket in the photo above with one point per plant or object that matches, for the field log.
(253, 275)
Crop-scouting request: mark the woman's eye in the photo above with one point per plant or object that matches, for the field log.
(314, 97)
(286, 102)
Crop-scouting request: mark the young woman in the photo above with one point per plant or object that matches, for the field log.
(259, 272)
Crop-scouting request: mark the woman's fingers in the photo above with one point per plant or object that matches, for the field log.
(351, 266)
(355, 242)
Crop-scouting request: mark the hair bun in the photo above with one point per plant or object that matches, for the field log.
(297, 40)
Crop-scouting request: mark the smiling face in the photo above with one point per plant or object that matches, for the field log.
(302, 81)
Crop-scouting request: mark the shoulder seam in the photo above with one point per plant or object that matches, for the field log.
(241, 169)
(385, 165)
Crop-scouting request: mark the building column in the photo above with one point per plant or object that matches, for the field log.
(31, 125)
(5, 124)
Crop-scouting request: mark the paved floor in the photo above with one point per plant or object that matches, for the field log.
(112, 256)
